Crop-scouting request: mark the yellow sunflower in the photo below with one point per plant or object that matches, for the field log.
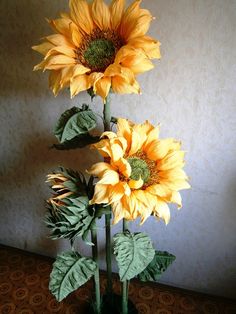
(100, 47)
(141, 172)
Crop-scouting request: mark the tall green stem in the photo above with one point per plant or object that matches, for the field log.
(107, 113)
(108, 254)
(107, 127)
(125, 284)
(96, 275)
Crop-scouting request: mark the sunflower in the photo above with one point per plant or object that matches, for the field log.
(141, 173)
(100, 47)
(66, 184)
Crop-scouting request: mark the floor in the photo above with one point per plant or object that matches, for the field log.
(24, 290)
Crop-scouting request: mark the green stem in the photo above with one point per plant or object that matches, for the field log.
(96, 275)
(107, 113)
(107, 127)
(108, 254)
(125, 284)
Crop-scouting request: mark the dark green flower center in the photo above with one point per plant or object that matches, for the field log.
(99, 54)
(139, 169)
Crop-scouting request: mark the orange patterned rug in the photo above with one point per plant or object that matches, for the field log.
(24, 290)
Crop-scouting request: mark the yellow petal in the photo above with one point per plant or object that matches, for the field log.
(142, 24)
(158, 149)
(103, 148)
(133, 184)
(101, 194)
(176, 198)
(129, 19)
(133, 59)
(147, 204)
(150, 46)
(102, 87)
(75, 34)
(124, 167)
(116, 192)
(80, 13)
(78, 84)
(43, 48)
(123, 79)
(117, 151)
(117, 10)
(79, 69)
(66, 74)
(109, 134)
(62, 25)
(101, 14)
(172, 160)
(132, 206)
(176, 173)
(162, 210)
(124, 129)
(120, 85)
(136, 142)
(176, 185)
(94, 77)
(135, 21)
(59, 40)
(153, 135)
(64, 50)
(99, 168)
(109, 177)
(118, 212)
(58, 60)
(159, 190)
(54, 81)
(144, 128)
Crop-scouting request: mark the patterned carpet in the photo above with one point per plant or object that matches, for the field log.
(24, 290)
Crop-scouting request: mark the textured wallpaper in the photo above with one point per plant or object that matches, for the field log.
(191, 92)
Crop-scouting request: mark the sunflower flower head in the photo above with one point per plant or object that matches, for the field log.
(65, 184)
(141, 173)
(68, 211)
(100, 47)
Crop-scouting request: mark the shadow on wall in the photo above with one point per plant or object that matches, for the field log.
(25, 154)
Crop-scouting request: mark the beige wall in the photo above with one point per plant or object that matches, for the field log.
(191, 92)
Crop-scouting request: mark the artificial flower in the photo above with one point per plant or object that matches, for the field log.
(141, 173)
(100, 47)
(66, 184)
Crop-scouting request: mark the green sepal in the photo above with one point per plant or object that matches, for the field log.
(78, 142)
(70, 271)
(91, 93)
(159, 264)
(75, 122)
(133, 253)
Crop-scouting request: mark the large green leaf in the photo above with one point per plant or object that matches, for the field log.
(75, 122)
(70, 271)
(159, 264)
(133, 253)
(80, 141)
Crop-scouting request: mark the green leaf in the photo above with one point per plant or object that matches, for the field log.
(70, 271)
(78, 142)
(75, 122)
(159, 264)
(133, 253)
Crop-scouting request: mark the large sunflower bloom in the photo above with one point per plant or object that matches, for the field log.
(141, 172)
(100, 47)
